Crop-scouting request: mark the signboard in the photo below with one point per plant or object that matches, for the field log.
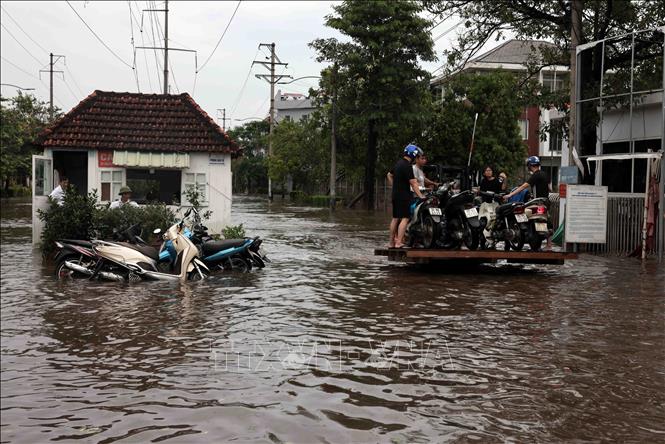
(586, 214)
(105, 158)
(562, 191)
(568, 174)
(216, 159)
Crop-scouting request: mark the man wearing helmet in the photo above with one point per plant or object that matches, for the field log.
(403, 182)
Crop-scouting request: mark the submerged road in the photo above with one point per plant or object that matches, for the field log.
(331, 344)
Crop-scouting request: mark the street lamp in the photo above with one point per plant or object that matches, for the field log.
(249, 118)
(299, 78)
(17, 87)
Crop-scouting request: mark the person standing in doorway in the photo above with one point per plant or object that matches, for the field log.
(125, 199)
(58, 193)
(403, 181)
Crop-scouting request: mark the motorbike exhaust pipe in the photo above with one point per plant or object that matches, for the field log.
(160, 276)
(104, 274)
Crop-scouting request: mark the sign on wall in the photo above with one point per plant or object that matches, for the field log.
(216, 159)
(568, 174)
(586, 214)
(105, 158)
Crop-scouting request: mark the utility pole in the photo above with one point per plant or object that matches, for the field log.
(272, 79)
(575, 39)
(224, 119)
(51, 71)
(333, 140)
(166, 48)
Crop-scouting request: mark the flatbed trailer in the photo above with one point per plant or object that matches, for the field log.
(425, 256)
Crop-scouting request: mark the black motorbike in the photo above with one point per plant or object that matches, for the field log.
(460, 224)
(424, 227)
(510, 224)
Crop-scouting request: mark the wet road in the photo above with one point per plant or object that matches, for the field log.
(330, 344)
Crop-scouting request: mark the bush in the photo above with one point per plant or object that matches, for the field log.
(71, 220)
(149, 216)
(233, 232)
(80, 217)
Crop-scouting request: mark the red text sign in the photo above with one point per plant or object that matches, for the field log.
(105, 159)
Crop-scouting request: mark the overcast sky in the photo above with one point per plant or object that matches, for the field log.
(54, 27)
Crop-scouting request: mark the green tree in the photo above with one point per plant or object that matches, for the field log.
(22, 118)
(552, 20)
(380, 85)
(250, 171)
(497, 140)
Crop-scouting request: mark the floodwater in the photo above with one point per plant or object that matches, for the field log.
(330, 344)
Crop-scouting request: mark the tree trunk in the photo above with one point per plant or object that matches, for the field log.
(370, 165)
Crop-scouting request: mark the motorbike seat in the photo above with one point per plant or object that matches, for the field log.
(506, 208)
(146, 250)
(213, 247)
(78, 242)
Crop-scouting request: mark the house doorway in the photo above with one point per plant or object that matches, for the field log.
(74, 165)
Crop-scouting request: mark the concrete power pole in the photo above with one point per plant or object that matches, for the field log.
(272, 79)
(166, 46)
(52, 62)
(575, 39)
(333, 140)
(224, 118)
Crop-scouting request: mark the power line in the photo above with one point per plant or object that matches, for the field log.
(23, 30)
(223, 34)
(154, 40)
(31, 75)
(242, 89)
(444, 33)
(145, 57)
(98, 38)
(20, 44)
(131, 27)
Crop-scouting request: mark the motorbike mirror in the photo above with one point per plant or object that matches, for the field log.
(157, 231)
(188, 212)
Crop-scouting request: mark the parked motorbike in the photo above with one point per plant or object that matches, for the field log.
(424, 226)
(122, 261)
(487, 216)
(508, 223)
(536, 213)
(75, 251)
(228, 254)
(460, 218)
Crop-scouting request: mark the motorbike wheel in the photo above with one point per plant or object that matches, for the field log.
(517, 242)
(194, 275)
(63, 273)
(535, 241)
(430, 232)
(238, 264)
(471, 238)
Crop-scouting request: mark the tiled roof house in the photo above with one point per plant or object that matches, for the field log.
(157, 144)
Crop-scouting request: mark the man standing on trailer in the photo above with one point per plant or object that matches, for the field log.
(403, 182)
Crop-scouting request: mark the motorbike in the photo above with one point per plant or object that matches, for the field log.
(123, 261)
(75, 251)
(508, 223)
(228, 254)
(536, 213)
(424, 226)
(460, 218)
(487, 216)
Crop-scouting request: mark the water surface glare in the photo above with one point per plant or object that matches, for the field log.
(331, 344)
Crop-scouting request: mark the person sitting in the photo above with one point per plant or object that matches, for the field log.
(489, 182)
(125, 196)
(58, 193)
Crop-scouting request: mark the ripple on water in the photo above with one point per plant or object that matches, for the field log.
(331, 344)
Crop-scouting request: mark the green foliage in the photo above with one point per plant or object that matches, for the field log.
(16, 191)
(250, 172)
(233, 232)
(193, 195)
(106, 220)
(497, 140)
(80, 217)
(22, 118)
(382, 90)
(71, 220)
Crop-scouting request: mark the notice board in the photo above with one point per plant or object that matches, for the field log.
(586, 214)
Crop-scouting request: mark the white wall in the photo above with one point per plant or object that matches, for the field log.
(647, 122)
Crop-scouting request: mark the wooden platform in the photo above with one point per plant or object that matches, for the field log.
(423, 256)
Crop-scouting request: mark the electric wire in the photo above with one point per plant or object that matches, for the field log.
(20, 44)
(23, 30)
(244, 84)
(145, 56)
(95, 34)
(131, 27)
(152, 30)
(55, 98)
(220, 39)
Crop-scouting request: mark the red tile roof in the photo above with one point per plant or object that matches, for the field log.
(138, 122)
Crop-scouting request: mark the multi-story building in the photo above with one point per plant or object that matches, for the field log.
(513, 56)
(292, 106)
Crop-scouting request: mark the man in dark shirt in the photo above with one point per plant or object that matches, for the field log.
(403, 181)
(539, 181)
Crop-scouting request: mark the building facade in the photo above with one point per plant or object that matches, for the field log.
(292, 106)
(158, 145)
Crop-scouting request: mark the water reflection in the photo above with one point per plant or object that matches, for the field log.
(330, 344)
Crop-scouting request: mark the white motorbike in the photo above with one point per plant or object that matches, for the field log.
(122, 261)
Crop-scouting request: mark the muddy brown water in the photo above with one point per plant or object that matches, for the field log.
(331, 344)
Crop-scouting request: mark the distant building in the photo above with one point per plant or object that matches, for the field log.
(292, 106)
(159, 145)
(513, 55)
